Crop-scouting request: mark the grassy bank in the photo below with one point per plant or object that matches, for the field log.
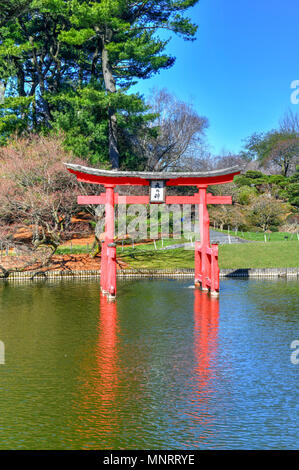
(127, 245)
(252, 255)
(260, 236)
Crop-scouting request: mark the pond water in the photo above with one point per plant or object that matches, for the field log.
(165, 367)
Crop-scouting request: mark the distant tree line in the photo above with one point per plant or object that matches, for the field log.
(261, 202)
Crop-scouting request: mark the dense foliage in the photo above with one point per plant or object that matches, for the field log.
(68, 65)
(279, 186)
(261, 202)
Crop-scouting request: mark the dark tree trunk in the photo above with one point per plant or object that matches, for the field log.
(111, 88)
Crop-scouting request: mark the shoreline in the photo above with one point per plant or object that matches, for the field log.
(154, 273)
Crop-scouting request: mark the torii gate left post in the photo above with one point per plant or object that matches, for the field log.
(206, 255)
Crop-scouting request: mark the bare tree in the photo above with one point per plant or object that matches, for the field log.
(290, 122)
(266, 211)
(278, 149)
(201, 160)
(228, 159)
(224, 216)
(36, 190)
(177, 133)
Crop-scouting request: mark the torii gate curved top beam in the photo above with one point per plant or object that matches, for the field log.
(206, 256)
(143, 178)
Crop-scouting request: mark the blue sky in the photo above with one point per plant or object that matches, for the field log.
(238, 73)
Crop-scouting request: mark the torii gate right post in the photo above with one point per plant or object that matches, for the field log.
(206, 255)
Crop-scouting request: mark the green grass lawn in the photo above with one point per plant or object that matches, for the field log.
(75, 249)
(260, 255)
(260, 236)
(252, 255)
(128, 244)
(277, 254)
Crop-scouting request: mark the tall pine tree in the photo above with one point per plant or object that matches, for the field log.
(63, 59)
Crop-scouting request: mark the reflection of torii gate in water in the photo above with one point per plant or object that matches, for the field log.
(206, 255)
(105, 393)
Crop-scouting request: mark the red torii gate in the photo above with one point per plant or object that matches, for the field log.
(206, 255)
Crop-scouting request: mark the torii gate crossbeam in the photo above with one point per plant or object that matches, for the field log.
(206, 255)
